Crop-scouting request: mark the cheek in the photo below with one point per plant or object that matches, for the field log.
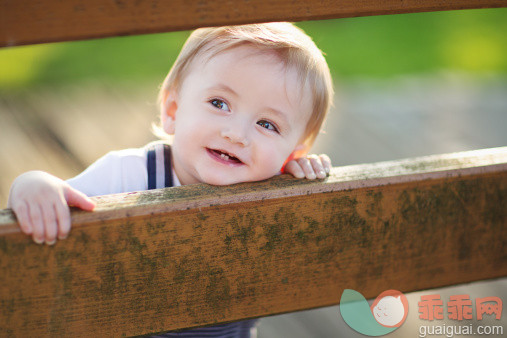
(192, 122)
(272, 154)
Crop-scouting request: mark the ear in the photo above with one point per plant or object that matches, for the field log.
(168, 114)
(300, 151)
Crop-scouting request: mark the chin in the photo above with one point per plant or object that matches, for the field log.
(225, 179)
(220, 180)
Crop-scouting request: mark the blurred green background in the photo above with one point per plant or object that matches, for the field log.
(472, 41)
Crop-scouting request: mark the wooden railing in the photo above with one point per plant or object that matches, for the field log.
(199, 255)
(25, 21)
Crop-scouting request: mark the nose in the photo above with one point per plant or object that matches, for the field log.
(235, 134)
(235, 130)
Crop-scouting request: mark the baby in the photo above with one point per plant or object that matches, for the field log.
(240, 103)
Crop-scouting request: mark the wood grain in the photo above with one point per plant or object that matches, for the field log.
(28, 22)
(200, 255)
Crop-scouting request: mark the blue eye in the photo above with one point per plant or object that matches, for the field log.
(268, 125)
(220, 104)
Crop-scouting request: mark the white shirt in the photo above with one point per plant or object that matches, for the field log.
(116, 172)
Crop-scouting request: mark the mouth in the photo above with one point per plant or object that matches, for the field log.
(224, 157)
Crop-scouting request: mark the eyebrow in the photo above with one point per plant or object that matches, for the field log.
(280, 115)
(224, 87)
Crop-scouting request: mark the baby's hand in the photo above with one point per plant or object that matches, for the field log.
(311, 167)
(40, 202)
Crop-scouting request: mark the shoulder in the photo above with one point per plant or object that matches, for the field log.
(116, 172)
(125, 156)
(121, 161)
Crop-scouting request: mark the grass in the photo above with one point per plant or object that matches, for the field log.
(471, 41)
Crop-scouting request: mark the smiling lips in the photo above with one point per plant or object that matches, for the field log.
(224, 157)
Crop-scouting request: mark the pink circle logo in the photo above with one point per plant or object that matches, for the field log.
(390, 308)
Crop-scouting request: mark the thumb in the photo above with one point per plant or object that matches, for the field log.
(76, 198)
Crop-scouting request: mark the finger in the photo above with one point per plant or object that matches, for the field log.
(326, 162)
(78, 199)
(307, 168)
(21, 211)
(50, 224)
(37, 226)
(317, 166)
(63, 219)
(294, 169)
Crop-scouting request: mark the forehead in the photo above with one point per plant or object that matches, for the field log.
(256, 73)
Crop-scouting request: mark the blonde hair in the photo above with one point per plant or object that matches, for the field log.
(290, 43)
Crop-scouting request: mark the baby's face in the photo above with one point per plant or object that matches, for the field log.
(236, 118)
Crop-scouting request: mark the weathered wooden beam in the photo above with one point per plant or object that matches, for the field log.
(27, 21)
(198, 255)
